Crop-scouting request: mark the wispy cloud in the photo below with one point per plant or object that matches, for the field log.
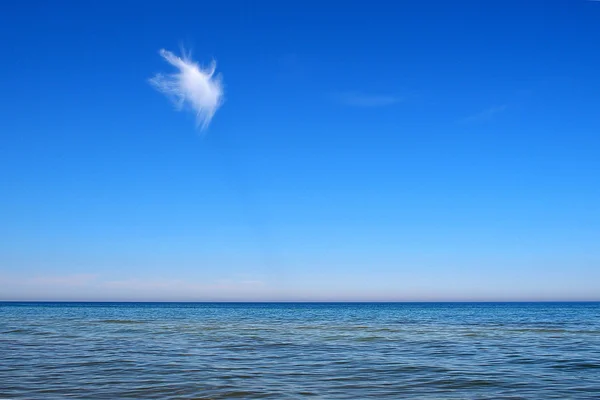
(183, 289)
(182, 286)
(194, 87)
(357, 99)
(66, 280)
(51, 280)
(95, 287)
(486, 115)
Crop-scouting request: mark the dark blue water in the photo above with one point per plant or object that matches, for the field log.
(281, 351)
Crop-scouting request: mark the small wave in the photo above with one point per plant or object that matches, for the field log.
(539, 330)
(370, 338)
(15, 331)
(120, 321)
(576, 365)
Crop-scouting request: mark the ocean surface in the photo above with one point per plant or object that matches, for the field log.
(300, 350)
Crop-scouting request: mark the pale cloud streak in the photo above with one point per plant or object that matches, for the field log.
(184, 290)
(66, 280)
(180, 285)
(192, 87)
(486, 114)
(73, 280)
(357, 99)
(93, 287)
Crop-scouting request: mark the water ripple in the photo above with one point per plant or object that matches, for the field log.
(294, 351)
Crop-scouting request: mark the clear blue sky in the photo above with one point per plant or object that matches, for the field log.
(409, 150)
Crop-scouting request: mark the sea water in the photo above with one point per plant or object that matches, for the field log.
(300, 350)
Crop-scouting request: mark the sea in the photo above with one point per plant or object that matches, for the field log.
(299, 350)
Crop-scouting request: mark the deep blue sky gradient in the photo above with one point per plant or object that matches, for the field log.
(373, 150)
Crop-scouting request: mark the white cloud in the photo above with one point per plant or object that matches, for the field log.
(192, 87)
(356, 99)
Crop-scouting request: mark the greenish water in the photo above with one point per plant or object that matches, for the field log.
(298, 350)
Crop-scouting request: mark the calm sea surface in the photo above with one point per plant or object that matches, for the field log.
(281, 351)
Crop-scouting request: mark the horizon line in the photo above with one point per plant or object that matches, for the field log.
(299, 301)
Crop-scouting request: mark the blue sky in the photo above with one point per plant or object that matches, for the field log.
(381, 150)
